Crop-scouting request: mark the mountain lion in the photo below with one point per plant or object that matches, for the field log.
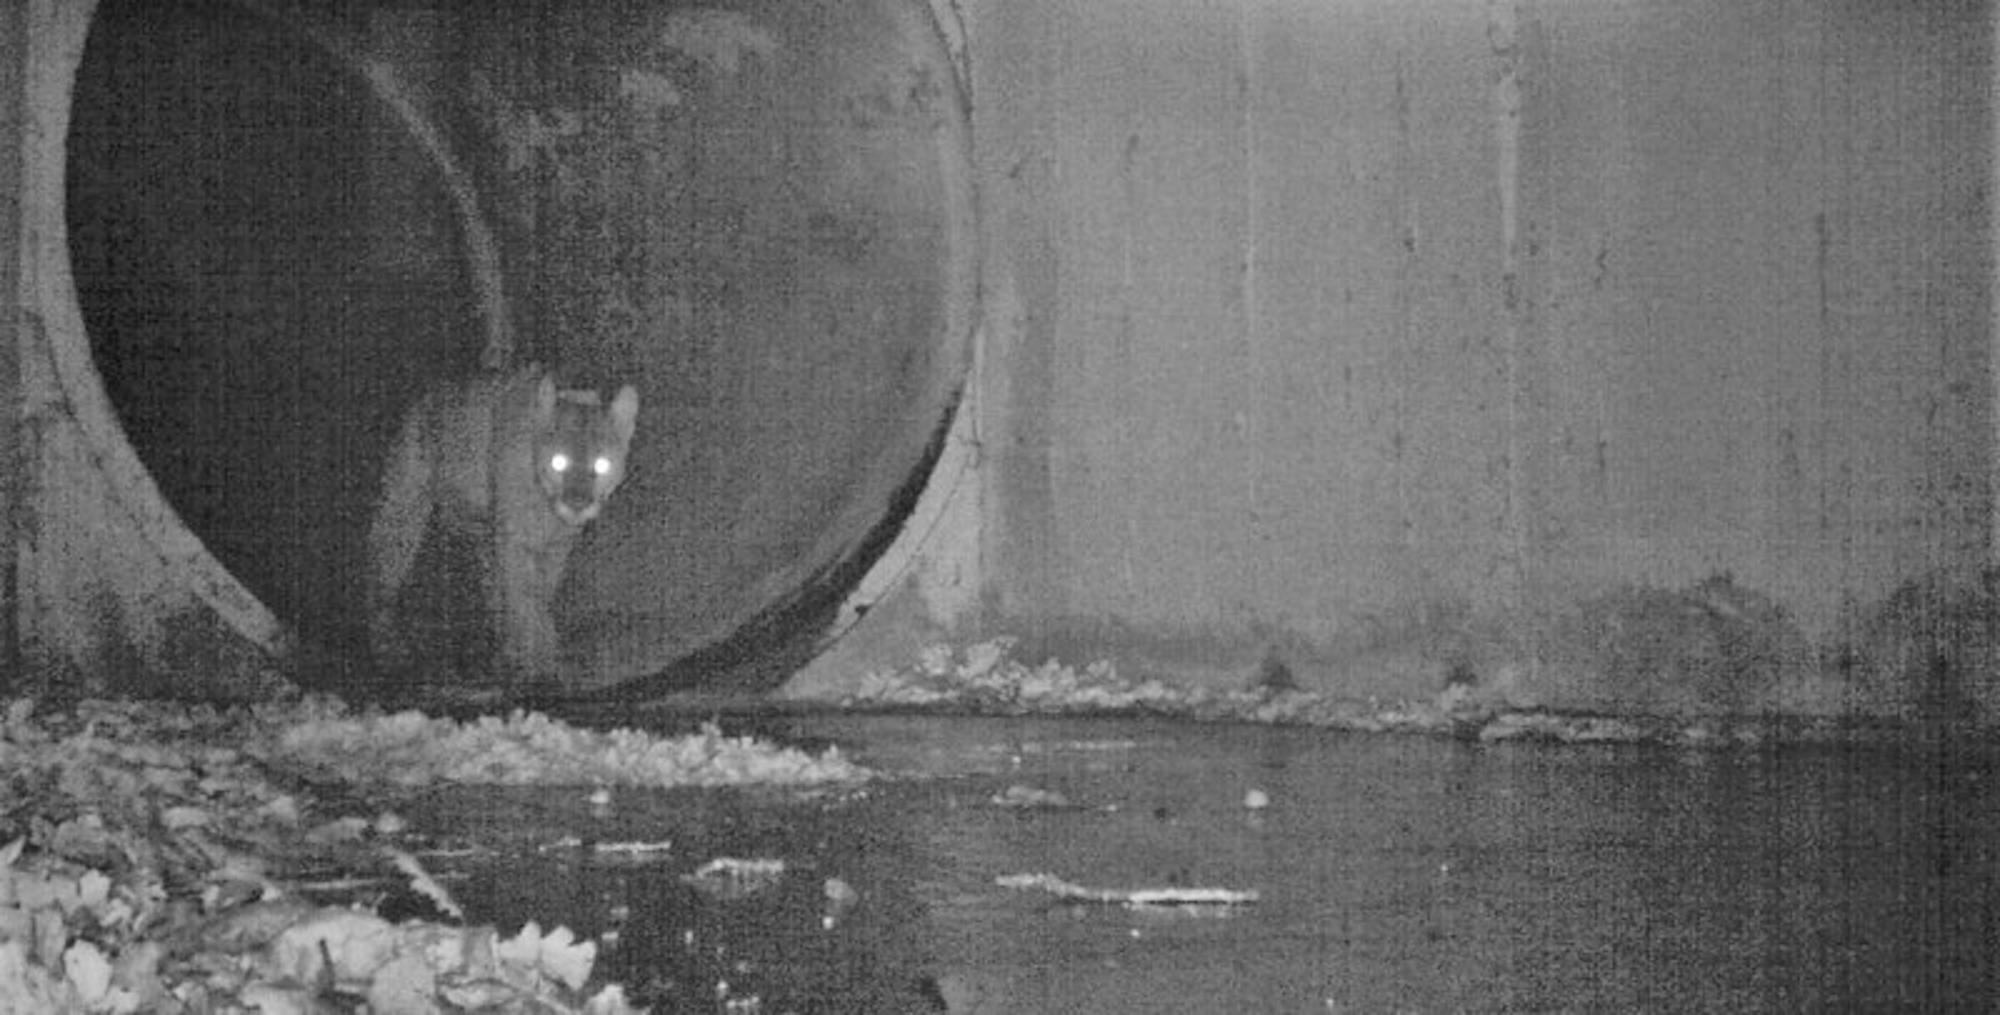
(513, 466)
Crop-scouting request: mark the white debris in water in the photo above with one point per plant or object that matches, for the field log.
(729, 877)
(1171, 896)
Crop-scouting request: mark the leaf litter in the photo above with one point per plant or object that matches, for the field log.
(153, 855)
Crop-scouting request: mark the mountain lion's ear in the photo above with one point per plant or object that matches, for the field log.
(625, 412)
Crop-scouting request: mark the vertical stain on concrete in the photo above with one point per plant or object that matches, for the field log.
(1406, 281)
(1503, 34)
(1023, 50)
(1831, 515)
(1248, 414)
(1131, 214)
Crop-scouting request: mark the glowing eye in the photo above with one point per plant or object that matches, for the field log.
(601, 465)
(559, 462)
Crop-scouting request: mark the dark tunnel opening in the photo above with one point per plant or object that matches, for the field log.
(756, 212)
(230, 297)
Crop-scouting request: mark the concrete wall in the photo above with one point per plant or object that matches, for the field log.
(1584, 350)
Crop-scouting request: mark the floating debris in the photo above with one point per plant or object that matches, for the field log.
(424, 884)
(728, 877)
(635, 850)
(840, 898)
(1135, 897)
(1029, 798)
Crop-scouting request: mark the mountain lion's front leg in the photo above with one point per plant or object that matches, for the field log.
(525, 582)
(395, 534)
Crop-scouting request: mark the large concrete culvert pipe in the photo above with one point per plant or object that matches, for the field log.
(758, 213)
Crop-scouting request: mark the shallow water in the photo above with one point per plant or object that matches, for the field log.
(1395, 873)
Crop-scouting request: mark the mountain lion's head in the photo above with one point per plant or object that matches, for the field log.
(580, 446)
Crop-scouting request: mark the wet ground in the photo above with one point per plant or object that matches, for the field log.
(1394, 873)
